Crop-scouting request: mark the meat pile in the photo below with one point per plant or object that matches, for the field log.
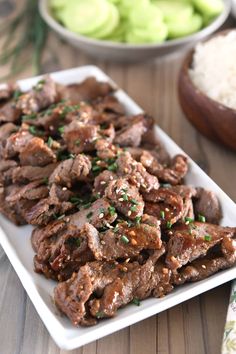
(114, 221)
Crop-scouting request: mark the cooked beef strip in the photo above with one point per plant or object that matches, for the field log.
(15, 143)
(87, 90)
(107, 108)
(12, 212)
(102, 180)
(36, 153)
(32, 191)
(191, 241)
(106, 150)
(25, 174)
(59, 256)
(42, 95)
(6, 130)
(131, 133)
(172, 174)
(7, 91)
(7, 168)
(164, 204)
(136, 173)
(125, 198)
(71, 170)
(80, 137)
(206, 266)
(124, 242)
(9, 112)
(207, 205)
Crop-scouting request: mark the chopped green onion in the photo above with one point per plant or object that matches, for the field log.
(125, 197)
(89, 215)
(201, 218)
(100, 314)
(17, 94)
(29, 116)
(112, 167)
(60, 217)
(50, 141)
(78, 242)
(87, 205)
(207, 238)
(77, 142)
(112, 210)
(189, 220)
(116, 228)
(45, 180)
(162, 214)
(168, 225)
(61, 129)
(124, 239)
(134, 201)
(138, 220)
(133, 208)
(136, 301)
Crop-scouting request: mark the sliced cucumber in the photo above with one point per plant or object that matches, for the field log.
(127, 6)
(175, 10)
(118, 34)
(85, 16)
(107, 28)
(154, 34)
(209, 7)
(146, 15)
(179, 29)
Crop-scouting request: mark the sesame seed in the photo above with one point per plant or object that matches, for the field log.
(167, 209)
(101, 215)
(129, 213)
(121, 199)
(64, 188)
(102, 182)
(103, 242)
(203, 266)
(165, 271)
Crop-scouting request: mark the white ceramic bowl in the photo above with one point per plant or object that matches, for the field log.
(234, 8)
(127, 52)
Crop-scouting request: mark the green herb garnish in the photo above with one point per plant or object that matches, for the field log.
(168, 225)
(50, 141)
(207, 238)
(201, 218)
(136, 301)
(189, 220)
(162, 214)
(89, 215)
(112, 210)
(61, 129)
(124, 239)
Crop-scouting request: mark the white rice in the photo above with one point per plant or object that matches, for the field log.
(214, 68)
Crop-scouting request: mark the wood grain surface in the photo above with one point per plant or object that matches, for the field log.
(193, 327)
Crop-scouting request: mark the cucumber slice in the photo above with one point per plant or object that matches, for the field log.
(209, 7)
(85, 16)
(152, 34)
(127, 6)
(144, 16)
(175, 10)
(118, 34)
(108, 27)
(179, 29)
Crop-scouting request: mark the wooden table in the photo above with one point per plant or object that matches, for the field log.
(194, 327)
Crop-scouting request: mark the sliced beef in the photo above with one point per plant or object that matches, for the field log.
(9, 112)
(165, 205)
(42, 95)
(36, 153)
(15, 143)
(7, 91)
(191, 241)
(206, 266)
(7, 168)
(80, 137)
(173, 174)
(63, 252)
(71, 170)
(131, 133)
(125, 198)
(25, 174)
(207, 205)
(87, 90)
(32, 191)
(102, 180)
(6, 130)
(136, 173)
(106, 150)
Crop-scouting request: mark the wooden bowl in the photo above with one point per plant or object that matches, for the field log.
(214, 120)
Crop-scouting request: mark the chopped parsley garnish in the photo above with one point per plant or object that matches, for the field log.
(68, 109)
(116, 228)
(136, 301)
(165, 185)
(89, 215)
(207, 238)
(61, 129)
(112, 210)
(125, 197)
(162, 214)
(168, 225)
(50, 141)
(201, 218)
(124, 239)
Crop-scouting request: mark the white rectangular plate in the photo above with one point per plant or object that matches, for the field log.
(16, 243)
